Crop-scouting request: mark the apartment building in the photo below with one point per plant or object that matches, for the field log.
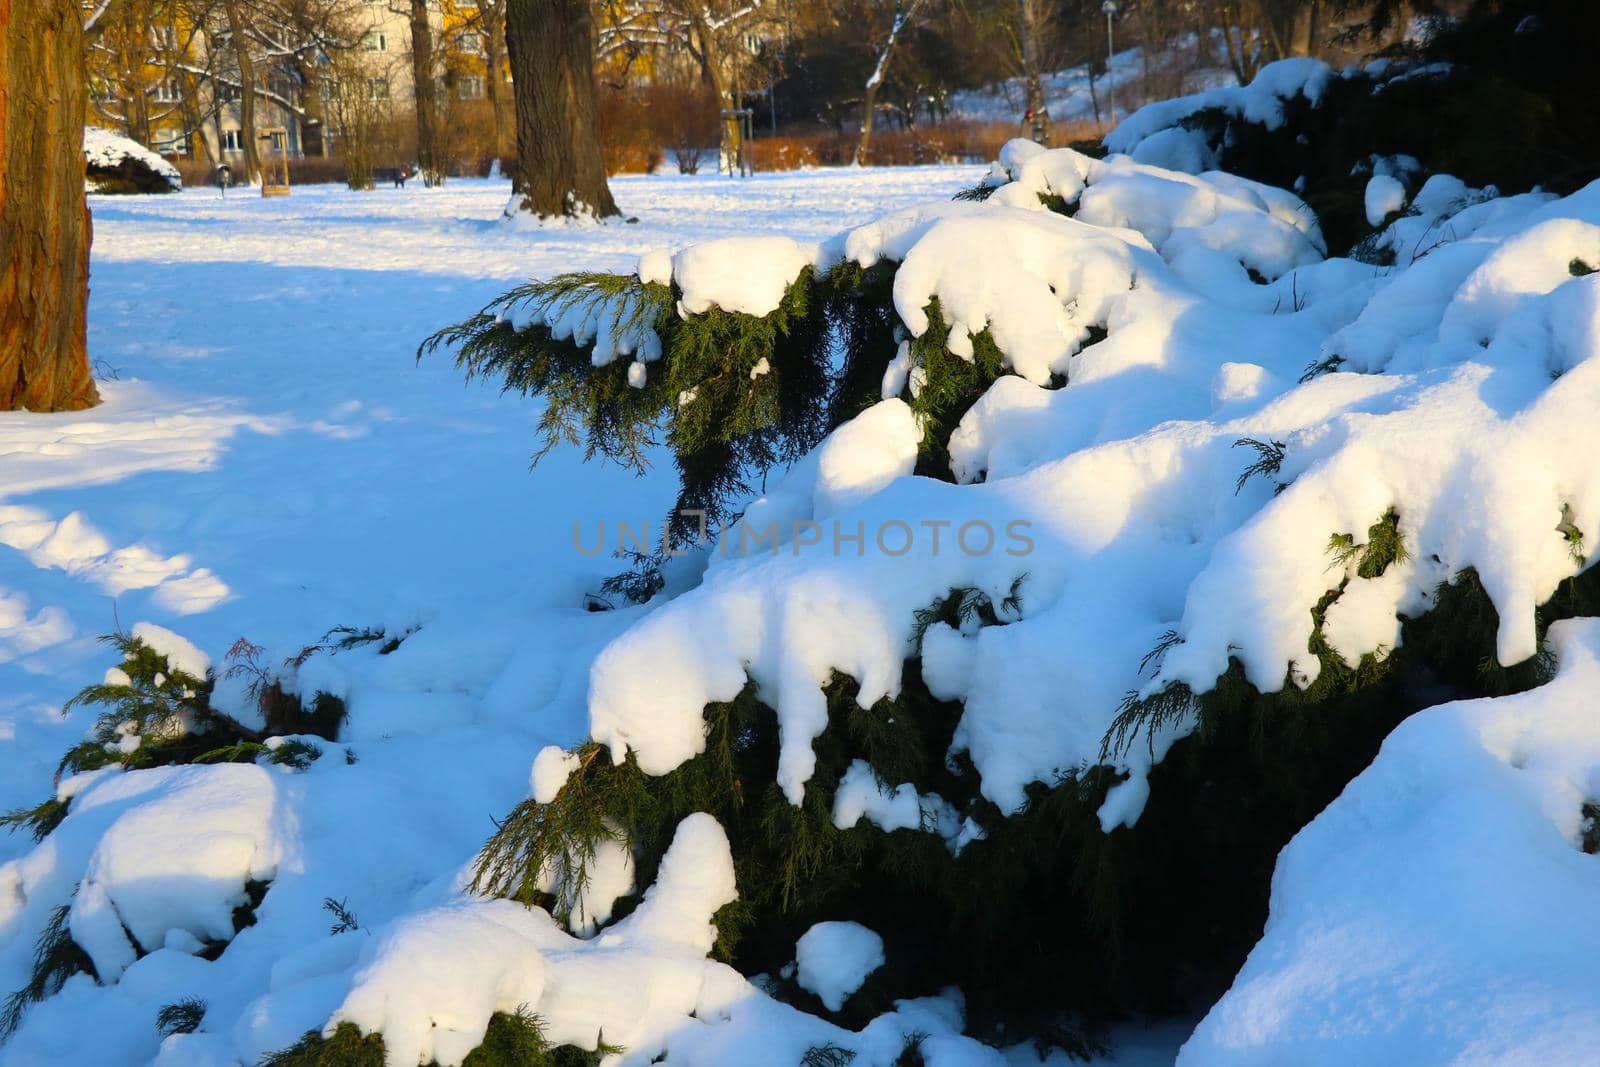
(184, 99)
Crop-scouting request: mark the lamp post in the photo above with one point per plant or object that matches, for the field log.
(1110, 8)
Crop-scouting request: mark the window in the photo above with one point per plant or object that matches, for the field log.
(469, 87)
(167, 92)
(468, 42)
(230, 141)
(375, 41)
(378, 88)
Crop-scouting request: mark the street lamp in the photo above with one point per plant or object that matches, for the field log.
(1110, 8)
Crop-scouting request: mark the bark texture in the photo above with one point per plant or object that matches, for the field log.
(44, 218)
(494, 36)
(247, 90)
(559, 168)
(427, 95)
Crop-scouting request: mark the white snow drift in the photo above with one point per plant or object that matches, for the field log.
(1440, 911)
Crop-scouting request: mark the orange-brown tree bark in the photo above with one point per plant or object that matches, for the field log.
(44, 217)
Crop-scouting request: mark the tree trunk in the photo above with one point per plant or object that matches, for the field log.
(247, 92)
(494, 35)
(710, 56)
(44, 218)
(1034, 86)
(314, 120)
(559, 169)
(426, 94)
(904, 12)
(1313, 27)
(869, 105)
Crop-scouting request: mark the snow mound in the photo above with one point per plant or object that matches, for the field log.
(1259, 102)
(180, 652)
(161, 859)
(834, 958)
(118, 165)
(1186, 313)
(1441, 909)
(431, 983)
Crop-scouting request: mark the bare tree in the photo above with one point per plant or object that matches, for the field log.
(709, 30)
(489, 22)
(360, 114)
(44, 216)
(240, 41)
(559, 169)
(1024, 36)
(905, 11)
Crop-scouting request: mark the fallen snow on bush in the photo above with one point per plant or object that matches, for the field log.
(834, 958)
(104, 151)
(1479, 437)
(1170, 317)
(1442, 909)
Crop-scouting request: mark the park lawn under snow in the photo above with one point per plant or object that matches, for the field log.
(271, 464)
(270, 460)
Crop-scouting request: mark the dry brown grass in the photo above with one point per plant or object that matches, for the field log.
(952, 142)
(197, 172)
(636, 149)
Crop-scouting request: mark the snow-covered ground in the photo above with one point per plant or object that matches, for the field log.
(1072, 96)
(270, 462)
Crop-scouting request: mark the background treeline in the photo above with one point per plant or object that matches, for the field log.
(377, 84)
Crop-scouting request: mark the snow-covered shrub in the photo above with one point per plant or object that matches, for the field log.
(160, 710)
(163, 868)
(1249, 563)
(1489, 106)
(118, 165)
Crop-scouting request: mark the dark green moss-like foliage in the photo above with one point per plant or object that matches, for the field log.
(513, 1039)
(182, 1017)
(1158, 916)
(732, 396)
(56, 957)
(1499, 97)
(348, 1047)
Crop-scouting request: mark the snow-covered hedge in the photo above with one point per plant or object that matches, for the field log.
(118, 165)
(1107, 529)
(1330, 133)
(1081, 347)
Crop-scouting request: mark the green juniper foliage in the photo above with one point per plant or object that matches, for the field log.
(1154, 918)
(1268, 461)
(56, 957)
(911, 1055)
(182, 1017)
(1163, 913)
(732, 395)
(169, 714)
(513, 1039)
(38, 820)
(344, 920)
(1496, 97)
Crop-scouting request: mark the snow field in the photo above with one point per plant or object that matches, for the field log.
(1185, 311)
